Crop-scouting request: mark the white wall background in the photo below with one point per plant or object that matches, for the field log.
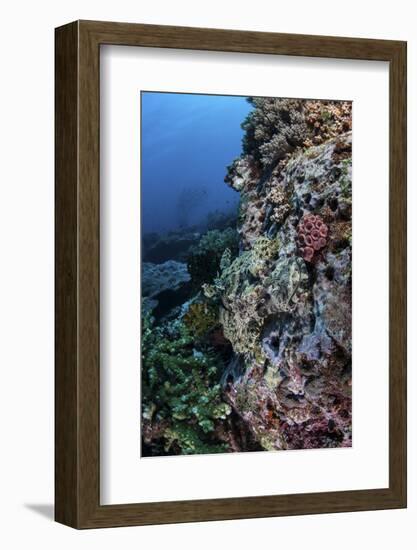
(26, 272)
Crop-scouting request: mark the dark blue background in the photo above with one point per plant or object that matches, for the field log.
(187, 142)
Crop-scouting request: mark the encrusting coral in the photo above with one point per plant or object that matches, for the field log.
(290, 319)
(252, 288)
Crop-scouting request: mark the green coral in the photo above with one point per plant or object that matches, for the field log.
(226, 259)
(326, 115)
(180, 389)
(190, 442)
(273, 377)
(204, 260)
(263, 251)
(285, 284)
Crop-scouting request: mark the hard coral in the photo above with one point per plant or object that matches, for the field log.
(289, 379)
(252, 218)
(239, 292)
(200, 318)
(279, 200)
(312, 236)
(181, 394)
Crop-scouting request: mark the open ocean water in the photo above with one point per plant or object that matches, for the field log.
(187, 141)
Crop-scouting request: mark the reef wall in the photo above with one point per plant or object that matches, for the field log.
(270, 308)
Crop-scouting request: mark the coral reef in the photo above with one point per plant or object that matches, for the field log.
(203, 262)
(327, 119)
(277, 197)
(177, 244)
(288, 318)
(200, 318)
(181, 397)
(273, 129)
(256, 355)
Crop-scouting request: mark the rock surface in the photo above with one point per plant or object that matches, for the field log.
(288, 314)
(164, 286)
(173, 246)
(158, 277)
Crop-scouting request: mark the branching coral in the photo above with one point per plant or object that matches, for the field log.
(312, 236)
(180, 391)
(273, 128)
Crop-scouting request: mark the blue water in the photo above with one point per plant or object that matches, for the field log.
(187, 142)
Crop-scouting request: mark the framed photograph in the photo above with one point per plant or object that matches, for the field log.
(230, 274)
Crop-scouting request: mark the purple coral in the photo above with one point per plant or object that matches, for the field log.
(312, 236)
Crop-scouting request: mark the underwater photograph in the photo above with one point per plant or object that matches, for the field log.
(246, 274)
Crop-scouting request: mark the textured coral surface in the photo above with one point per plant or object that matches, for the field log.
(312, 236)
(257, 356)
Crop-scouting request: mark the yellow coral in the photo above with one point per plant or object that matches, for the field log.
(242, 324)
(265, 249)
(240, 315)
(200, 319)
(279, 199)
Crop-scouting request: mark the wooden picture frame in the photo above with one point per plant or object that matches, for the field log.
(77, 383)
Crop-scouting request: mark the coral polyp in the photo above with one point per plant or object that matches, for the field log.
(312, 236)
